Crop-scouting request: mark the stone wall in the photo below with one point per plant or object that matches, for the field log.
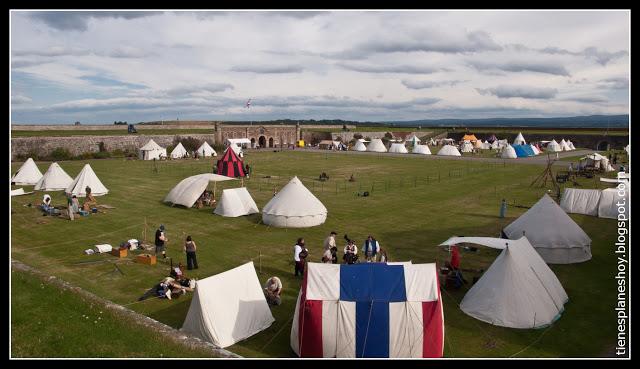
(348, 136)
(594, 142)
(82, 144)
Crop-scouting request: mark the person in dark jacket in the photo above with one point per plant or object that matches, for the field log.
(160, 241)
(190, 249)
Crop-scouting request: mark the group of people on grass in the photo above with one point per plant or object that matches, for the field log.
(73, 204)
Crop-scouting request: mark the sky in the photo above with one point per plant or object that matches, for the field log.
(100, 67)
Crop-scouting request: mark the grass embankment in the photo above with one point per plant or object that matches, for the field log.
(415, 204)
(109, 132)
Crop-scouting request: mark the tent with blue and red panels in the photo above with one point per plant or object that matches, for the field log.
(230, 165)
(369, 310)
(523, 151)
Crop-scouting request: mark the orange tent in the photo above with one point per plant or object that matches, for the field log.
(471, 137)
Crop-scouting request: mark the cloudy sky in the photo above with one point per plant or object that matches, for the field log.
(98, 67)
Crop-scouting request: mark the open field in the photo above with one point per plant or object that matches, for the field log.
(415, 204)
(108, 132)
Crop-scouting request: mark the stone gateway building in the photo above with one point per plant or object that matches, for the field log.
(261, 136)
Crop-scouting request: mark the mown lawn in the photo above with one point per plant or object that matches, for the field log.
(416, 203)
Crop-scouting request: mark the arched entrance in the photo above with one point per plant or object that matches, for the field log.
(603, 146)
(271, 142)
(253, 143)
(262, 141)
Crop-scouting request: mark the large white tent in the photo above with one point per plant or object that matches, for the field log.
(449, 150)
(228, 307)
(519, 140)
(466, 147)
(28, 174)
(597, 161)
(486, 145)
(236, 202)
(508, 153)
(579, 201)
(570, 144)
(564, 146)
(519, 290)
(205, 150)
(187, 192)
(294, 206)
(495, 145)
(376, 145)
(359, 146)
(398, 148)
(54, 179)
(609, 200)
(151, 150)
(421, 149)
(554, 235)
(553, 146)
(178, 152)
(86, 178)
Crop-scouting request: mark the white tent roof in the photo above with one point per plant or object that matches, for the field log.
(466, 147)
(495, 144)
(187, 192)
(362, 140)
(607, 207)
(509, 153)
(556, 237)
(151, 145)
(206, 150)
(554, 146)
(449, 150)
(376, 145)
(563, 144)
(54, 179)
(421, 149)
(28, 174)
(238, 141)
(179, 151)
(359, 146)
(535, 149)
(598, 161)
(580, 201)
(86, 177)
(414, 139)
(398, 148)
(519, 139)
(571, 146)
(519, 290)
(228, 307)
(236, 202)
(294, 200)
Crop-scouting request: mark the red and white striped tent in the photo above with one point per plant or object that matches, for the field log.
(369, 310)
(230, 164)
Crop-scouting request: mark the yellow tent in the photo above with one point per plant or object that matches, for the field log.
(300, 143)
(471, 137)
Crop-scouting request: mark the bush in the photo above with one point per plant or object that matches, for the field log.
(60, 153)
(357, 136)
(117, 153)
(219, 148)
(101, 155)
(190, 144)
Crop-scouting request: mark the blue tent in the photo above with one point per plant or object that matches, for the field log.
(523, 150)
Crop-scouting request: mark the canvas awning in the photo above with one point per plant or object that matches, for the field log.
(187, 192)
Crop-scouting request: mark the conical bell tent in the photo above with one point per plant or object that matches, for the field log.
(54, 179)
(86, 178)
(294, 206)
(27, 175)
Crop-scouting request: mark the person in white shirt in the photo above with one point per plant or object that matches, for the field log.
(299, 254)
(350, 252)
(272, 291)
(327, 256)
(330, 241)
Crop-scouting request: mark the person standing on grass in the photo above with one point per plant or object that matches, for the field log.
(160, 241)
(70, 207)
(299, 252)
(370, 248)
(190, 249)
(330, 241)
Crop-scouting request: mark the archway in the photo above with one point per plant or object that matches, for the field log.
(262, 141)
(253, 143)
(271, 142)
(603, 146)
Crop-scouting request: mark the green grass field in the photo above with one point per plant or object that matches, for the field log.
(108, 132)
(415, 204)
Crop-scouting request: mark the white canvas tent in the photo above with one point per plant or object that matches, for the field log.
(478, 145)
(509, 153)
(151, 150)
(187, 192)
(580, 201)
(571, 146)
(413, 140)
(86, 178)
(553, 146)
(519, 139)
(376, 145)
(554, 235)
(486, 145)
(294, 206)
(19, 192)
(359, 146)
(421, 149)
(28, 174)
(54, 179)
(178, 152)
(228, 307)
(398, 148)
(495, 145)
(519, 290)
(449, 150)
(564, 146)
(466, 147)
(609, 198)
(502, 143)
(597, 161)
(236, 202)
(205, 150)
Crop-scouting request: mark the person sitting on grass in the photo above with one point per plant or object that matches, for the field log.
(169, 288)
(273, 290)
(89, 201)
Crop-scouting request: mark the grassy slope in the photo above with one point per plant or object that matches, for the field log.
(49, 322)
(408, 214)
(108, 132)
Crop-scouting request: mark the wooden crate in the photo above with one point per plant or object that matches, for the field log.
(121, 253)
(146, 259)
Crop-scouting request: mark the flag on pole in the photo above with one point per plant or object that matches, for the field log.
(248, 105)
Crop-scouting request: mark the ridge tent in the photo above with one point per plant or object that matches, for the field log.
(508, 153)
(554, 235)
(466, 147)
(564, 146)
(178, 152)
(236, 202)
(369, 310)
(376, 145)
(421, 149)
(519, 140)
(230, 165)
(523, 151)
(597, 161)
(398, 148)
(449, 150)
(535, 150)
(27, 175)
(86, 177)
(609, 198)
(294, 206)
(553, 146)
(359, 146)
(519, 290)
(151, 150)
(187, 192)
(580, 201)
(492, 138)
(469, 137)
(54, 179)
(228, 307)
(205, 150)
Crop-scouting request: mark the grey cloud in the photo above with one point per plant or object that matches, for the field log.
(617, 83)
(20, 99)
(521, 66)
(600, 56)
(52, 52)
(188, 90)
(78, 20)
(418, 85)
(26, 63)
(588, 99)
(268, 69)
(505, 92)
(407, 69)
